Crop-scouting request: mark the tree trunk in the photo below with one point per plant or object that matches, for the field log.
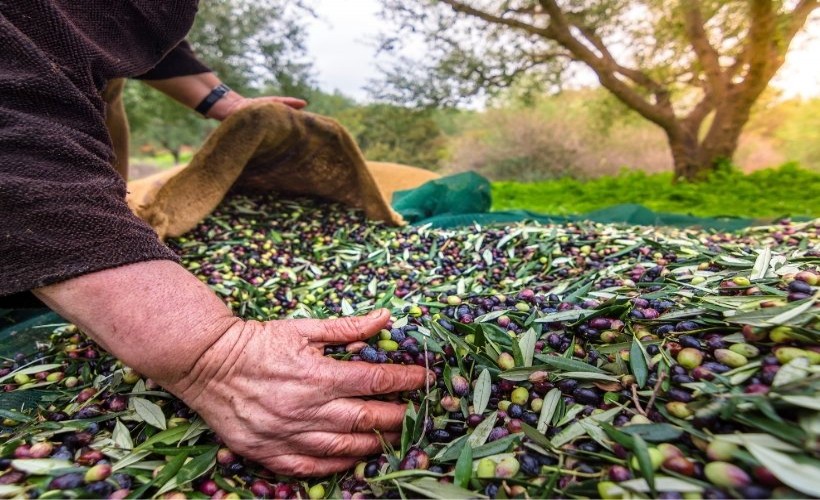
(686, 155)
(175, 152)
(694, 159)
(727, 125)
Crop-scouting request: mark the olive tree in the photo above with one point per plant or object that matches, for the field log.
(692, 67)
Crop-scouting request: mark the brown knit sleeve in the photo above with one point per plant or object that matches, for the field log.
(62, 205)
(181, 61)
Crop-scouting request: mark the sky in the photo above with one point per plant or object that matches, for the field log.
(340, 43)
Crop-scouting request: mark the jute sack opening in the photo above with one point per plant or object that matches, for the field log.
(271, 148)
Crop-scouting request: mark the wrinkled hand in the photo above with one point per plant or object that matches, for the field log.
(271, 394)
(233, 102)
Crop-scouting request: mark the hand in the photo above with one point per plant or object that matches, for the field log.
(271, 394)
(233, 102)
(266, 389)
(191, 89)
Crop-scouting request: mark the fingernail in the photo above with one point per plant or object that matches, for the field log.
(375, 314)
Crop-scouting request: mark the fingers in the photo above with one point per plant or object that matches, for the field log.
(287, 101)
(343, 330)
(294, 102)
(354, 379)
(359, 416)
(305, 466)
(328, 444)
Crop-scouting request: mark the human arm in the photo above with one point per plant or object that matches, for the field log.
(67, 233)
(265, 388)
(181, 76)
(190, 90)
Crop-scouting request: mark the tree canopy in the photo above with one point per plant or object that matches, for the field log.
(693, 67)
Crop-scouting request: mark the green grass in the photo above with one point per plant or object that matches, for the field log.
(162, 160)
(788, 190)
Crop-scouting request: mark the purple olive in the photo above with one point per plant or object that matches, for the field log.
(498, 433)
(67, 481)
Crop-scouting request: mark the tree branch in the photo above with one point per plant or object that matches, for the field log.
(799, 15)
(761, 41)
(558, 30)
(490, 18)
(694, 119)
(764, 51)
(706, 53)
(636, 76)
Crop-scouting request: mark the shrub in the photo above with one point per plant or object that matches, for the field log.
(765, 193)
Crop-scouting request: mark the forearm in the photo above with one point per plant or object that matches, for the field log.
(190, 90)
(154, 316)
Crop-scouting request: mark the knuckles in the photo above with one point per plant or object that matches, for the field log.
(344, 328)
(364, 420)
(381, 380)
(338, 444)
(300, 467)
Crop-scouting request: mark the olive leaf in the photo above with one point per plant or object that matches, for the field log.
(637, 362)
(656, 433)
(150, 412)
(601, 377)
(521, 374)
(197, 467)
(166, 474)
(761, 265)
(662, 483)
(482, 391)
(122, 436)
(495, 447)
(431, 488)
(577, 430)
(793, 371)
(482, 431)
(39, 466)
(644, 461)
(408, 423)
(168, 436)
(527, 345)
(537, 437)
(773, 316)
(760, 439)
(563, 316)
(11, 491)
(567, 364)
(464, 467)
(548, 407)
(451, 450)
(810, 402)
(803, 475)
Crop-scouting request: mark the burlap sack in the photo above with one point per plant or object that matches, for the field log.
(271, 148)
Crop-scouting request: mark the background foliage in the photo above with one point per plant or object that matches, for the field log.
(769, 193)
(521, 135)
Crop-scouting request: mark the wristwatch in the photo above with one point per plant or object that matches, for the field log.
(208, 102)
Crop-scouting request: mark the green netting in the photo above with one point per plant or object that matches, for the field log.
(22, 400)
(464, 199)
(465, 193)
(26, 329)
(20, 331)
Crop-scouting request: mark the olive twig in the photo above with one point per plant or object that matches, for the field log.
(637, 402)
(661, 377)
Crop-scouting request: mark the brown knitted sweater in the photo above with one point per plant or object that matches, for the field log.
(62, 205)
